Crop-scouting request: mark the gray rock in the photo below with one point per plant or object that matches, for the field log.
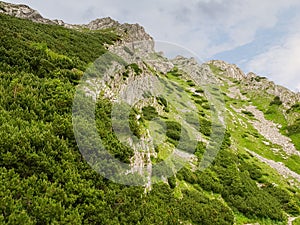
(230, 70)
(254, 82)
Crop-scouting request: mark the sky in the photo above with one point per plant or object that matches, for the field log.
(260, 36)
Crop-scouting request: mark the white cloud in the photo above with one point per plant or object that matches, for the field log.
(239, 21)
(281, 63)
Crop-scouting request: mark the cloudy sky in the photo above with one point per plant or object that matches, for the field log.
(262, 36)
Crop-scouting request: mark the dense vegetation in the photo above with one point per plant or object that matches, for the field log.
(45, 180)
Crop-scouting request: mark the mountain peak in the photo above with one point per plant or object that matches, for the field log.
(129, 32)
(21, 11)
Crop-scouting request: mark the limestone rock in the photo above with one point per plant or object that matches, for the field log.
(230, 70)
(254, 82)
(130, 32)
(251, 81)
(23, 11)
(200, 73)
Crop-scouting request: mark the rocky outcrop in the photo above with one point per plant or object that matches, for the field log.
(254, 82)
(129, 32)
(230, 70)
(24, 12)
(251, 82)
(200, 73)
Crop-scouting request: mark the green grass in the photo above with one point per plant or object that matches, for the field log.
(274, 111)
(296, 140)
(271, 111)
(240, 219)
(245, 137)
(296, 221)
(216, 70)
(164, 150)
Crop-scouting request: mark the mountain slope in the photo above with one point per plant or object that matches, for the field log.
(46, 178)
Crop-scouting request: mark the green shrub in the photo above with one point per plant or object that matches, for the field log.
(254, 171)
(172, 182)
(296, 221)
(149, 112)
(175, 72)
(276, 101)
(226, 139)
(125, 75)
(258, 78)
(173, 130)
(135, 68)
(294, 108)
(294, 128)
(191, 83)
(206, 106)
(200, 149)
(197, 101)
(248, 113)
(187, 175)
(162, 101)
(208, 182)
(205, 126)
(173, 134)
(133, 124)
(199, 90)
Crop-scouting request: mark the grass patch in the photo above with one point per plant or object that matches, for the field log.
(216, 70)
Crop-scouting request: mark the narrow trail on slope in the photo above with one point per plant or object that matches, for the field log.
(290, 220)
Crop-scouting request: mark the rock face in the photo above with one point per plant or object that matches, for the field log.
(200, 73)
(254, 82)
(251, 81)
(23, 11)
(230, 70)
(128, 32)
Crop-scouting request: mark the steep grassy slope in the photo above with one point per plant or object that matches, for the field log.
(276, 121)
(45, 180)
